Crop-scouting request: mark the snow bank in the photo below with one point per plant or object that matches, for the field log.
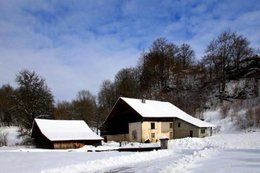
(236, 140)
(110, 162)
(207, 148)
(189, 143)
(187, 163)
(222, 125)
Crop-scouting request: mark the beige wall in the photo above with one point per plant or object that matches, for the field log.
(141, 131)
(162, 129)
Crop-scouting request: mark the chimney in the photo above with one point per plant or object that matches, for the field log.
(143, 100)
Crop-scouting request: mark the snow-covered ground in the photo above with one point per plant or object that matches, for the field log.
(236, 152)
(229, 151)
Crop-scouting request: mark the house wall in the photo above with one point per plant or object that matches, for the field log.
(135, 132)
(67, 145)
(142, 131)
(208, 132)
(183, 129)
(74, 144)
(42, 142)
(117, 137)
(161, 130)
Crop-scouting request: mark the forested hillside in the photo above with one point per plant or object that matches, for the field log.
(226, 77)
(228, 73)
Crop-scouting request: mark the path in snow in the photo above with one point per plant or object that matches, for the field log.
(113, 162)
(177, 162)
(151, 166)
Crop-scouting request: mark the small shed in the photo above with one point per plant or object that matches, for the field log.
(63, 134)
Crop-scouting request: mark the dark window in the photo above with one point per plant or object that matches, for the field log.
(179, 124)
(152, 125)
(202, 131)
(171, 125)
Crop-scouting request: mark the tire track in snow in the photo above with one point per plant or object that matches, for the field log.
(151, 166)
(188, 162)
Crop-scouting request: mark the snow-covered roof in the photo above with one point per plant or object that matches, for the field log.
(160, 109)
(62, 130)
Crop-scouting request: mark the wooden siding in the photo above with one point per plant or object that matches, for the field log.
(118, 120)
(67, 145)
(117, 137)
(74, 144)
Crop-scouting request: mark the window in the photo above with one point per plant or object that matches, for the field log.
(152, 125)
(152, 135)
(179, 124)
(171, 125)
(202, 131)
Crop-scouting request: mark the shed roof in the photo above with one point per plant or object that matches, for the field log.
(160, 109)
(64, 130)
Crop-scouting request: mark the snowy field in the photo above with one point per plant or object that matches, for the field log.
(229, 151)
(235, 152)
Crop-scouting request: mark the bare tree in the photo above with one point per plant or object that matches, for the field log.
(127, 83)
(6, 105)
(33, 98)
(85, 107)
(221, 54)
(63, 111)
(107, 95)
(186, 55)
(157, 66)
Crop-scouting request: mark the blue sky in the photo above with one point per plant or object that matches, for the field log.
(76, 44)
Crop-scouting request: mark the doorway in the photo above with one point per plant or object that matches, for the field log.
(191, 133)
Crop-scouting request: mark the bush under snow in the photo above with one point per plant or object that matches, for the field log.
(232, 116)
(9, 136)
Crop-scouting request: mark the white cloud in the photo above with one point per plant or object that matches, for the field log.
(76, 45)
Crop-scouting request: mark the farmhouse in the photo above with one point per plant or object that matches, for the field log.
(63, 134)
(142, 120)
